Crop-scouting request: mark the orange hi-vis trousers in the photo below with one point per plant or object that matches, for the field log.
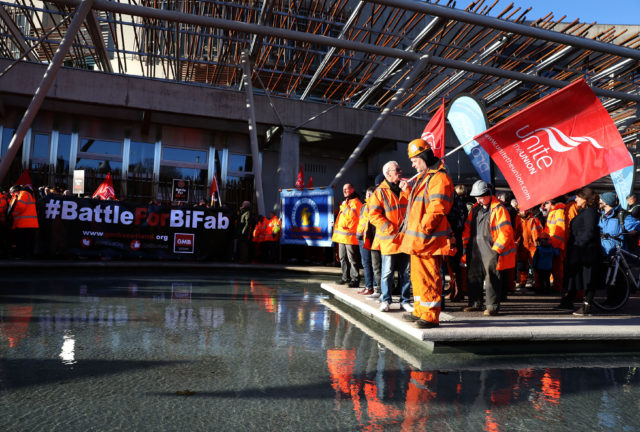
(426, 281)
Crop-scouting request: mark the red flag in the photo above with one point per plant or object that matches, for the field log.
(105, 191)
(310, 184)
(214, 186)
(300, 181)
(433, 134)
(24, 180)
(558, 144)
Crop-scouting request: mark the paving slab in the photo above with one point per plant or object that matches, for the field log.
(522, 319)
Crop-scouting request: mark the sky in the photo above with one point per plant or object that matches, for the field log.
(601, 11)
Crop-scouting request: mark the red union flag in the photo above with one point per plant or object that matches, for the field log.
(433, 134)
(558, 144)
(300, 180)
(105, 190)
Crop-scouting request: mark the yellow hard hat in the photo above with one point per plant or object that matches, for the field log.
(416, 147)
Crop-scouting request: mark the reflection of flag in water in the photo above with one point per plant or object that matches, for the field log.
(105, 190)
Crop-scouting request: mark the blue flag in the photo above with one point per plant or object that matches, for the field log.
(467, 119)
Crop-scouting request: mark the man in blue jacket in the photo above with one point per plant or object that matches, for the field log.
(614, 221)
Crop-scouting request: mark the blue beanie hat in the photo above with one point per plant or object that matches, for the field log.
(379, 179)
(609, 198)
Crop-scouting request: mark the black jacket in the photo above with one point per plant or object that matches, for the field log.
(584, 238)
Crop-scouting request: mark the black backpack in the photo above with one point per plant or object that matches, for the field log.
(457, 216)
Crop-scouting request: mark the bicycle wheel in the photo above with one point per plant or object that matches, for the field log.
(612, 294)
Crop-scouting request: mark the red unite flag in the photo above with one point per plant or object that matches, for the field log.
(433, 134)
(214, 186)
(300, 181)
(105, 191)
(560, 143)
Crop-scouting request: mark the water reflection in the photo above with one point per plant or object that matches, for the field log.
(273, 346)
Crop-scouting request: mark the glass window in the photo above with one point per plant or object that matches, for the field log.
(184, 155)
(7, 134)
(141, 157)
(96, 146)
(64, 150)
(198, 178)
(95, 171)
(140, 173)
(40, 148)
(240, 162)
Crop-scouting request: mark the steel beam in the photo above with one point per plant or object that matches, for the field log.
(549, 82)
(418, 67)
(198, 20)
(511, 27)
(253, 135)
(93, 26)
(18, 37)
(45, 84)
(329, 54)
(174, 16)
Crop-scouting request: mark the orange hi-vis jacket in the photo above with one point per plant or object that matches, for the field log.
(386, 212)
(4, 206)
(260, 231)
(346, 226)
(23, 210)
(426, 230)
(269, 232)
(363, 225)
(502, 233)
(556, 227)
(531, 230)
(570, 211)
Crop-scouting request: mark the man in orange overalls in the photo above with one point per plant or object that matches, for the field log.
(426, 234)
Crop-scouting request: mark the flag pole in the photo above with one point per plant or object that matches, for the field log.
(458, 148)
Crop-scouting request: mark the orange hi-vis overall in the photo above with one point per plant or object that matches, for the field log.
(557, 230)
(531, 230)
(346, 226)
(24, 211)
(426, 235)
(386, 212)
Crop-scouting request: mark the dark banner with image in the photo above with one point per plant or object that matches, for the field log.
(83, 227)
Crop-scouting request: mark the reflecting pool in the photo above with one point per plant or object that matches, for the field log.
(264, 352)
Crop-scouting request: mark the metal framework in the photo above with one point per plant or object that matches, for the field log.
(350, 52)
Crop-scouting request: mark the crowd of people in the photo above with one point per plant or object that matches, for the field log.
(424, 227)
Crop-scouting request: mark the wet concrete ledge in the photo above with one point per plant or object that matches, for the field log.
(552, 330)
(48, 265)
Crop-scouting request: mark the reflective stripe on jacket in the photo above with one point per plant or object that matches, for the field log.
(426, 230)
(556, 227)
(502, 234)
(24, 211)
(386, 212)
(346, 226)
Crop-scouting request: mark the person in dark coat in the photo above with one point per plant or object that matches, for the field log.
(583, 251)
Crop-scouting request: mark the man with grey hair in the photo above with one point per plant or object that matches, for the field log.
(387, 209)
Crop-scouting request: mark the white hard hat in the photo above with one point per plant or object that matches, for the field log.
(480, 188)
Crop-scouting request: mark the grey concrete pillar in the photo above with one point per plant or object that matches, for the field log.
(289, 159)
